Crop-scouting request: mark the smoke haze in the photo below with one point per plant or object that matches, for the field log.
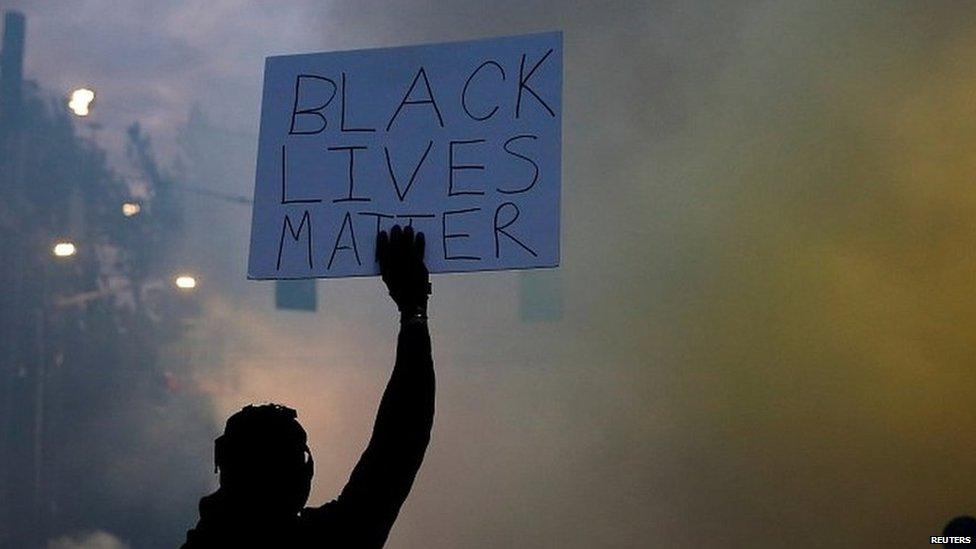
(767, 270)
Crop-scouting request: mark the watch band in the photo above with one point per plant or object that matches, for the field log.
(418, 317)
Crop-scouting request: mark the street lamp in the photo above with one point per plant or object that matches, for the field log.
(81, 100)
(64, 248)
(185, 282)
(130, 209)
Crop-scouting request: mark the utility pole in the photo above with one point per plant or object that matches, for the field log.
(12, 67)
(20, 365)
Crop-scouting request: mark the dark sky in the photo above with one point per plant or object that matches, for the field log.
(767, 279)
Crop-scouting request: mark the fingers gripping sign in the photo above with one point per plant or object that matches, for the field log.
(400, 255)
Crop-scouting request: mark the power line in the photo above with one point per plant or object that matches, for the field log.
(212, 194)
(227, 197)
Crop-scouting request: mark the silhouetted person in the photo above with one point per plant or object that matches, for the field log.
(962, 529)
(266, 467)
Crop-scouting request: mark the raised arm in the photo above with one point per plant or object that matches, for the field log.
(378, 486)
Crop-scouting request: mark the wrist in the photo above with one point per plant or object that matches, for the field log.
(413, 318)
(414, 315)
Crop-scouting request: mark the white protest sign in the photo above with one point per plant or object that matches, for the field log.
(460, 140)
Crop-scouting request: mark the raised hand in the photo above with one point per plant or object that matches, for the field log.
(401, 258)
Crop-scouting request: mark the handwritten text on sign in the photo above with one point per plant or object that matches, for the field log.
(459, 140)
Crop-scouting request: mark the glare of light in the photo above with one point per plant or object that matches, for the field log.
(185, 282)
(81, 99)
(130, 209)
(64, 249)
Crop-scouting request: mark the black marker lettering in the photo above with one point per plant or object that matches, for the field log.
(406, 101)
(295, 234)
(523, 85)
(378, 216)
(501, 229)
(445, 236)
(314, 111)
(342, 123)
(389, 166)
(352, 179)
(535, 167)
(412, 216)
(346, 221)
(284, 177)
(464, 92)
(452, 167)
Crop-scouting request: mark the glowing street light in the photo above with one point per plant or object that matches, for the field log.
(130, 209)
(81, 100)
(64, 249)
(185, 282)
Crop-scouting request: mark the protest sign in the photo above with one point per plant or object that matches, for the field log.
(460, 140)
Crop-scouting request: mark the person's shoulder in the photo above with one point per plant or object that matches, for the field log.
(319, 518)
(318, 512)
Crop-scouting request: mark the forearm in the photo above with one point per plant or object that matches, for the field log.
(406, 411)
(382, 479)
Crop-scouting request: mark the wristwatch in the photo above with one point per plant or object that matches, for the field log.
(417, 316)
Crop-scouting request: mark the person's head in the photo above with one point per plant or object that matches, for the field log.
(264, 461)
(963, 526)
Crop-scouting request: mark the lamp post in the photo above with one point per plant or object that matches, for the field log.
(47, 327)
(81, 101)
(131, 209)
(64, 248)
(185, 282)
